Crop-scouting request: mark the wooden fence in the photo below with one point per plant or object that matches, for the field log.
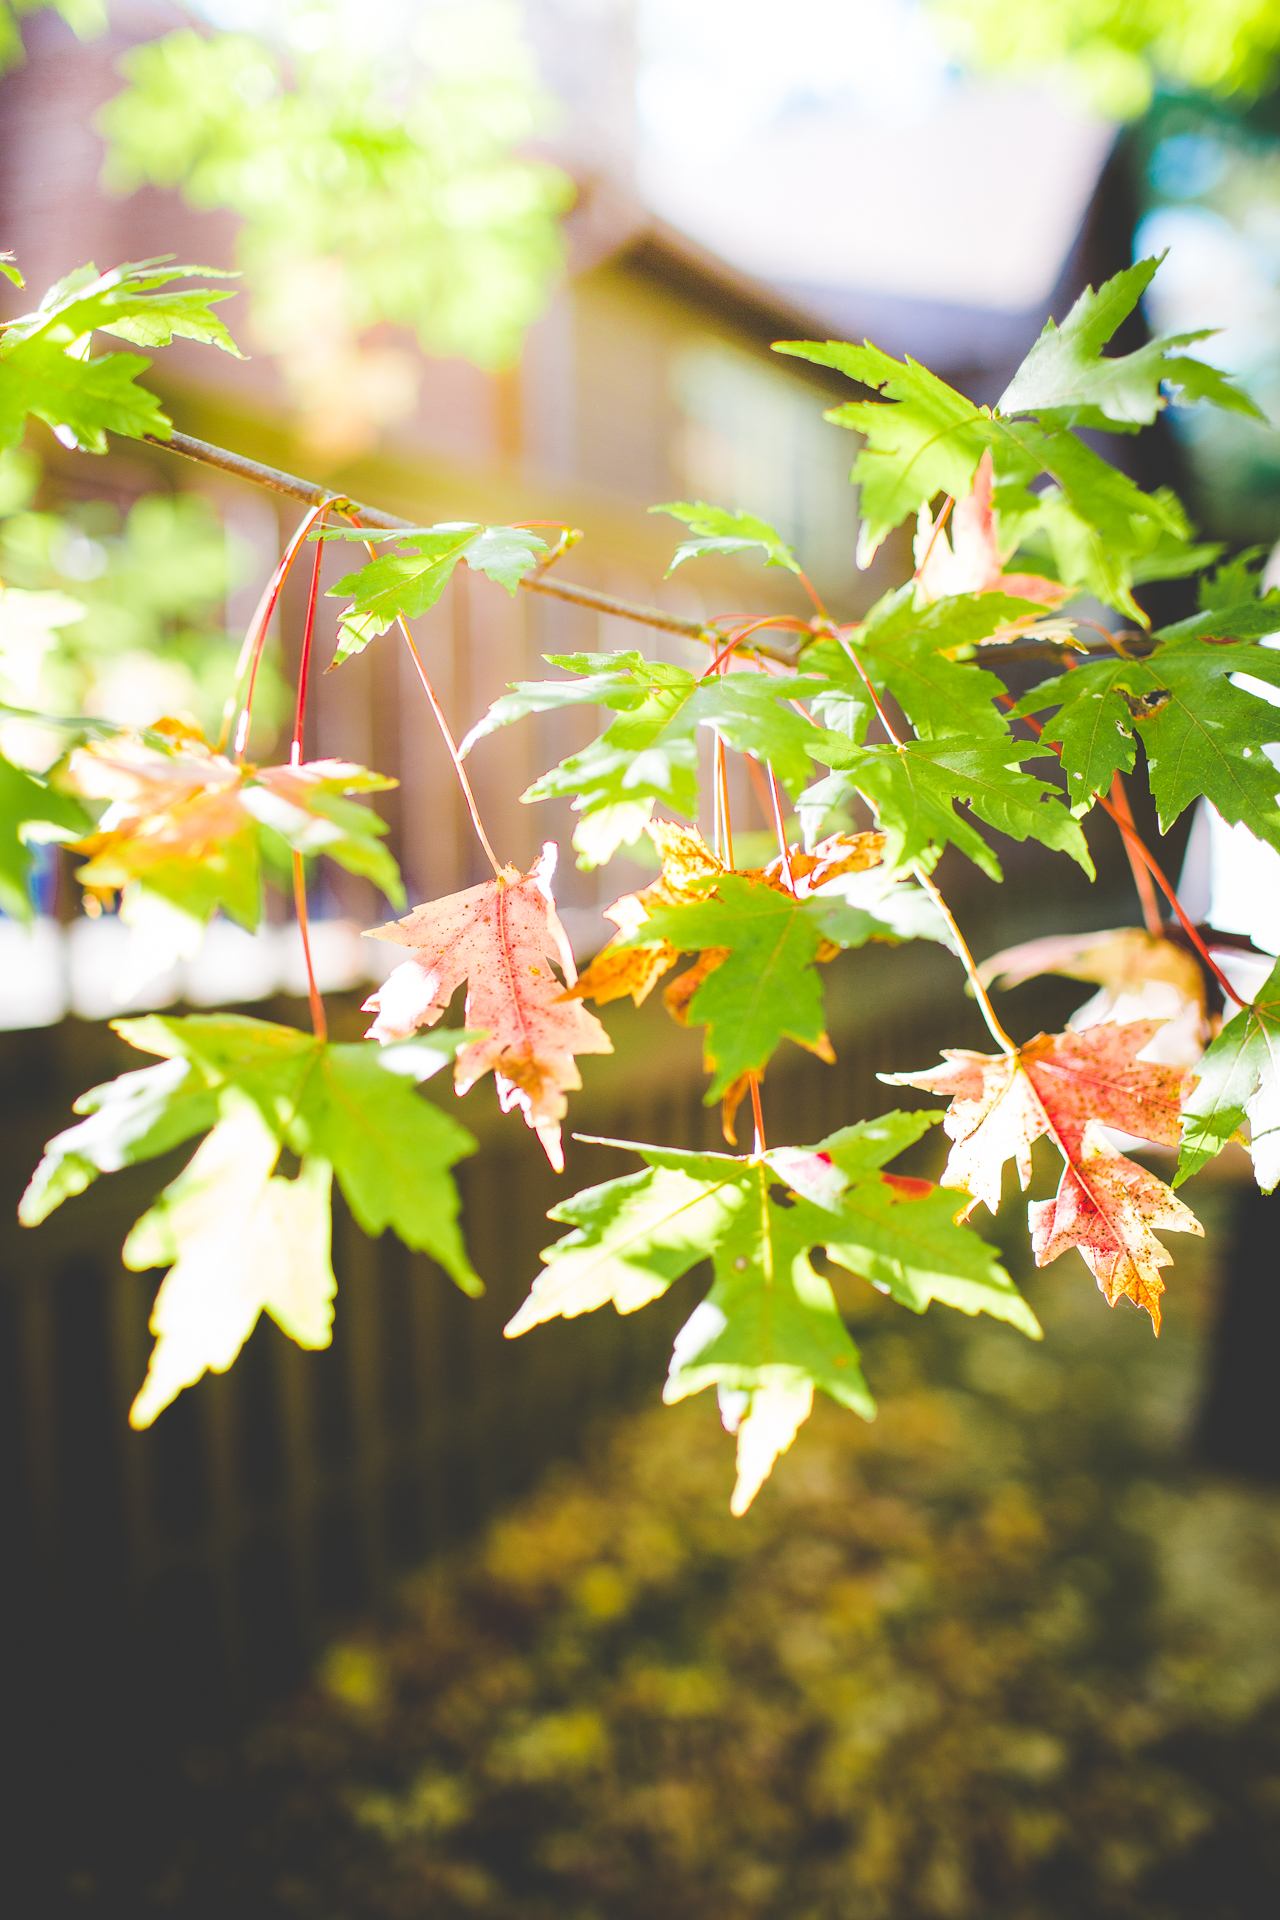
(159, 1585)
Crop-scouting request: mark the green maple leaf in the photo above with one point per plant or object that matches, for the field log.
(769, 1327)
(1235, 583)
(124, 301)
(913, 789)
(405, 585)
(30, 810)
(1065, 374)
(1102, 527)
(45, 368)
(237, 1240)
(636, 1235)
(767, 989)
(87, 399)
(1238, 1081)
(716, 530)
(351, 1106)
(650, 751)
(916, 1253)
(922, 437)
(904, 653)
(620, 681)
(326, 822)
(1202, 734)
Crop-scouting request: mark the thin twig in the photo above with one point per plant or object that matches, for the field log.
(315, 495)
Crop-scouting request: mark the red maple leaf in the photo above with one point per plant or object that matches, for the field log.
(1070, 1087)
(501, 939)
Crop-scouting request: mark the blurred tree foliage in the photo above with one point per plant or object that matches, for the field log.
(1117, 52)
(121, 617)
(86, 18)
(372, 187)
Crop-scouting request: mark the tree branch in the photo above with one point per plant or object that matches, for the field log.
(315, 495)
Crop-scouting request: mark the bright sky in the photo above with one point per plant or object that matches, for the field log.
(830, 142)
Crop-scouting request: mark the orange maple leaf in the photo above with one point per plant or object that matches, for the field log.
(1069, 1086)
(186, 804)
(501, 939)
(687, 860)
(164, 806)
(970, 561)
(688, 865)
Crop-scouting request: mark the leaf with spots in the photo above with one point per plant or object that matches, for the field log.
(501, 938)
(1069, 1087)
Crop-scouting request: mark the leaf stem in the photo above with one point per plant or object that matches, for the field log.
(446, 732)
(997, 1032)
(943, 517)
(779, 827)
(452, 746)
(1151, 913)
(319, 1019)
(255, 640)
(753, 1081)
(724, 829)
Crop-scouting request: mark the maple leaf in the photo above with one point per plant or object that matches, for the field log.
(716, 530)
(650, 752)
(1067, 1086)
(237, 1241)
(44, 370)
(970, 559)
(769, 1331)
(763, 988)
(904, 650)
(405, 585)
(353, 1106)
(1066, 376)
(125, 301)
(183, 824)
(1124, 961)
(1202, 731)
(913, 789)
(30, 810)
(500, 938)
(1238, 1083)
(769, 926)
(623, 968)
(927, 440)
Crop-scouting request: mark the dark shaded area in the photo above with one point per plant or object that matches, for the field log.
(1004, 1652)
(1239, 1428)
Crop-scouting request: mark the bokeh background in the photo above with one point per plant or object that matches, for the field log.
(1011, 1651)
